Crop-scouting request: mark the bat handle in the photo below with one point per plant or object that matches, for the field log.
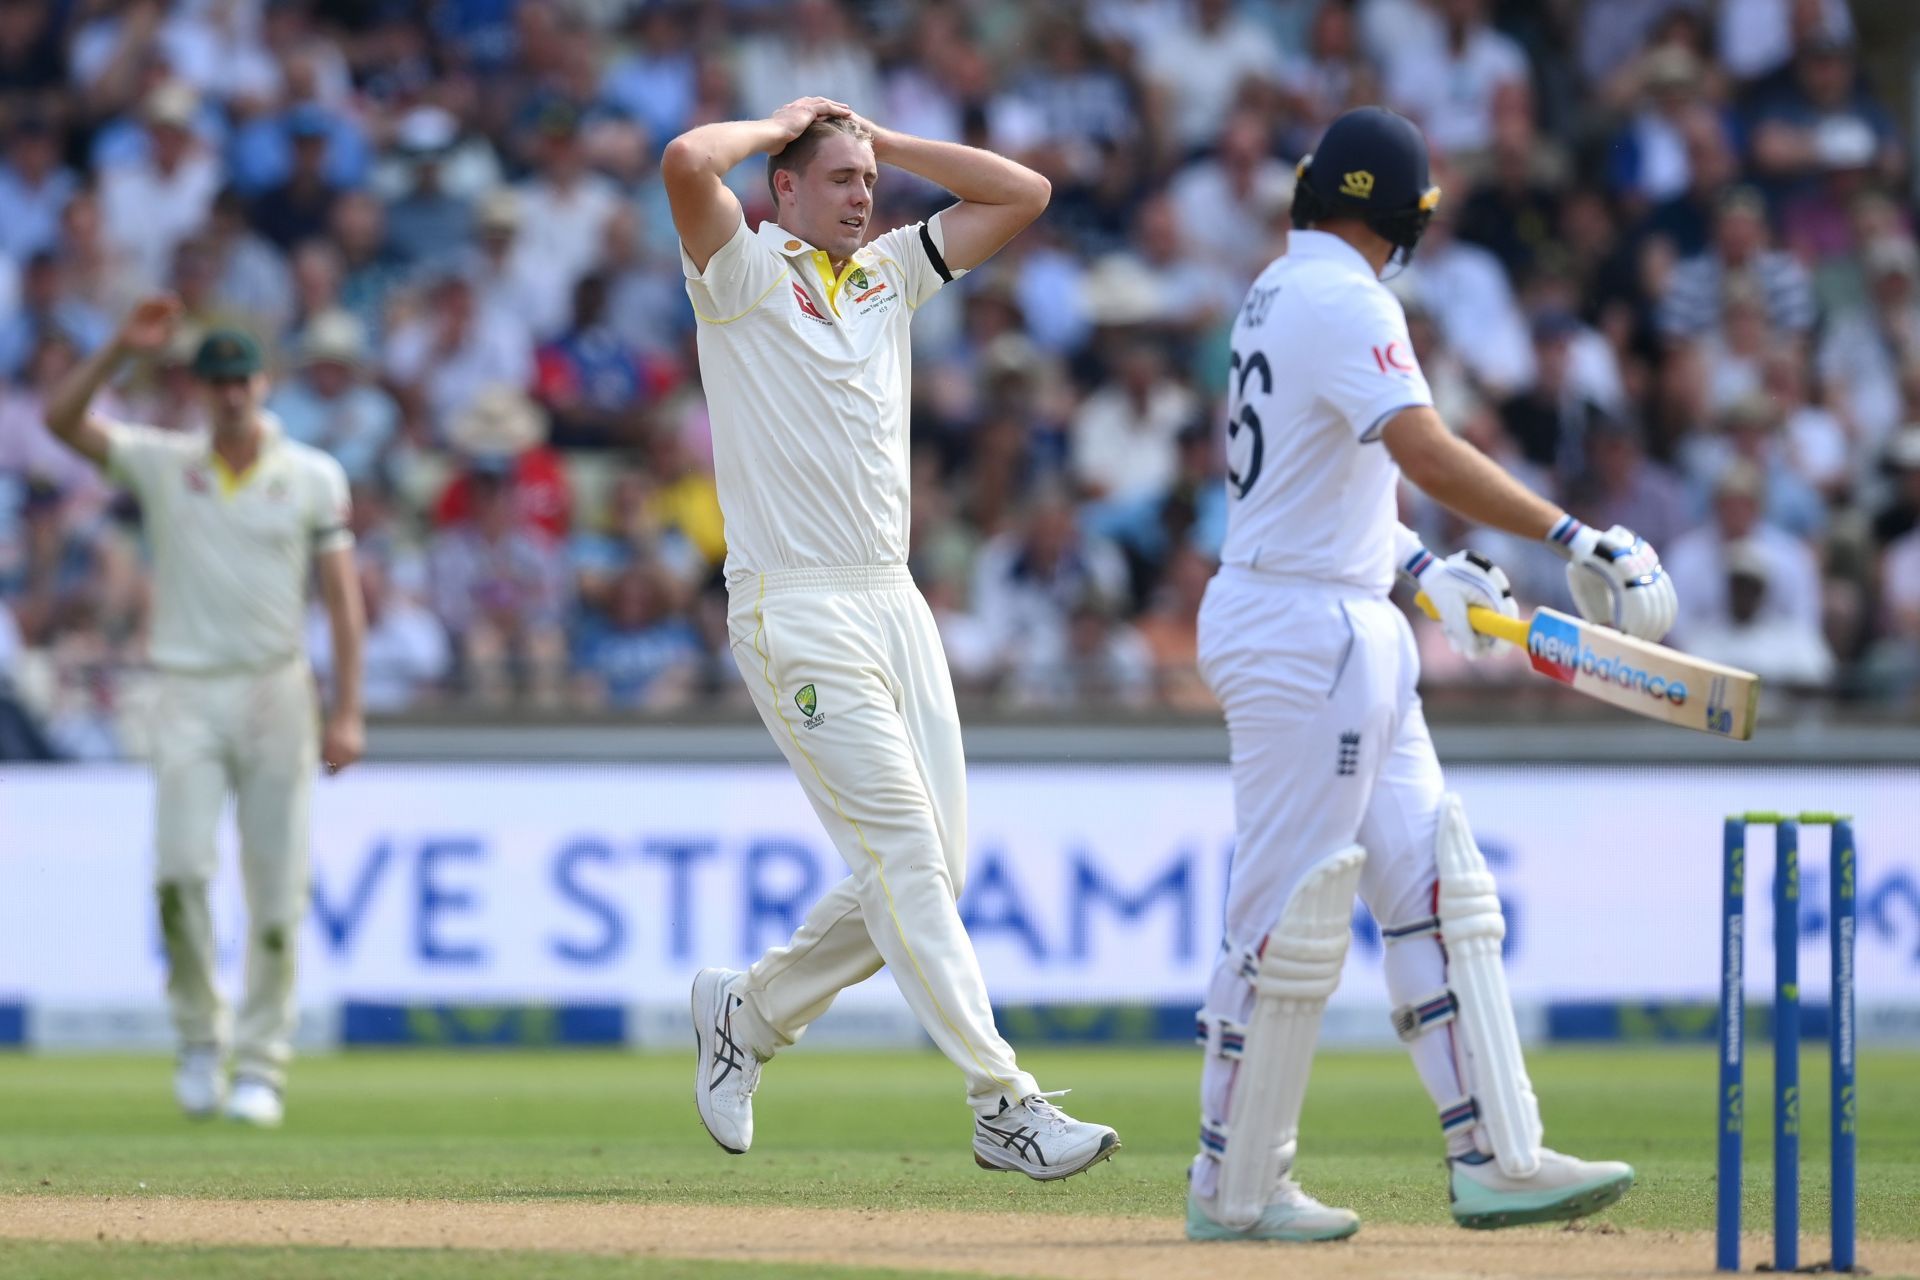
(1488, 622)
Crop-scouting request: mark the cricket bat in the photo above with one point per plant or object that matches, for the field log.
(1640, 676)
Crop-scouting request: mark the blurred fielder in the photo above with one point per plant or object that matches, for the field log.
(236, 519)
(1336, 786)
(803, 336)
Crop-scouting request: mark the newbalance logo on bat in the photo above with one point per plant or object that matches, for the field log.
(1556, 649)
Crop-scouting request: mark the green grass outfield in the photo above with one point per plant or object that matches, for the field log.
(848, 1130)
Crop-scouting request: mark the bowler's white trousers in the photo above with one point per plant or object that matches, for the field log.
(846, 668)
(254, 735)
(1329, 748)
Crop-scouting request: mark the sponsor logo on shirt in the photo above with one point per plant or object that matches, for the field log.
(1391, 359)
(806, 304)
(196, 480)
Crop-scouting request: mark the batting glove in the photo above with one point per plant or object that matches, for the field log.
(1616, 578)
(1456, 584)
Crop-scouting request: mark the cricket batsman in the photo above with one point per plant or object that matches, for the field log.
(1336, 786)
(236, 518)
(803, 339)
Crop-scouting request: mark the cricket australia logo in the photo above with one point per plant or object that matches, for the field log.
(809, 703)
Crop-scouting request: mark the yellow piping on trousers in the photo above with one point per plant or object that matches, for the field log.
(766, 670)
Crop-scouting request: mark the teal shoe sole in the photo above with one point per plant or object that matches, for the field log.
(1485, 1210)
(1201, 1227)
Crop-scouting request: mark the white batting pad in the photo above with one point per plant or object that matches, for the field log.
(1296, 969)
(1471, 928)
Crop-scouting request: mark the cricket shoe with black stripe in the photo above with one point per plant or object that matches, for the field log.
(1486, 1199)
(725, 1071)
(1038, 1139)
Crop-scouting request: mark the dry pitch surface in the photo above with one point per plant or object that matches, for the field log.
(587, 1166)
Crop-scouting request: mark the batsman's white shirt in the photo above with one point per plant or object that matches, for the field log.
(1313, 664)
(236, 712)
(807, 379)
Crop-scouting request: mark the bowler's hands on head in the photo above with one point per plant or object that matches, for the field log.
(149, 326)
(801, 112)
(1458, 583)
(343, 742)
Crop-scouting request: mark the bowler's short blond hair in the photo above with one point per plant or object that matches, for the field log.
(796, 155)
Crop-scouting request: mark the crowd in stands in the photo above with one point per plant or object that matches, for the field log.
(1673, 284)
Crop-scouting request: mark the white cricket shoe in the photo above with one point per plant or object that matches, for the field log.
(1293, 1215)
(199, 1082)
(257, 1103)
(1564, 1187)
(725, 1072)
(1038, 1139)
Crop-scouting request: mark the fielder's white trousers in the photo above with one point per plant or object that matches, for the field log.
(846, 668)
(254, 735)
(1329, 747)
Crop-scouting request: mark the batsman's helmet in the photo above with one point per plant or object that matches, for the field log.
(1371, 164)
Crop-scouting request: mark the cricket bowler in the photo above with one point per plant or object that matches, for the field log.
(803, 340)
(1336, 786)
(236, 518)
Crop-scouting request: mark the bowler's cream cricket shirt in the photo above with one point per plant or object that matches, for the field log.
(231, 554)
(807, 376)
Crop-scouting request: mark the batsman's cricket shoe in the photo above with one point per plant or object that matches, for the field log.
(1038, 1139)
(1564, 1187)
(200, 1082)
(725, 1071)
(257, 1103)
(1293, 1215)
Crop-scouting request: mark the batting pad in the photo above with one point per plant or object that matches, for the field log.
(1471, 928)
(1293, 973)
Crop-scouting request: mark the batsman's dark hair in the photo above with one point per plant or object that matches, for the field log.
(796, 155)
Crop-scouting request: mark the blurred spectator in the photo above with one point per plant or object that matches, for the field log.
(815, 45)
(102, 274)
(643, 653)
(1123, 435)
(441, 360)
(1780, 648)
(588, 378)
(1516, 212)
(645, 297)
(1741, 248)
(652, 81)
(685, 496)
(47, 309)
(1188, 110)
(1686, 216)
(1750, 432)
(1863, 352)
(1649, 157)
(149, 205)
(1170, 631)
(1699, 566)
(510, 278)
(563, 213)
(34, 189)
(370, 273)
(1095, 660)
(1823, 118)
(1448, 85)
(1551, 419)
(1224, 204)
(1757, 37)
(265, 150)
(327, 404)
(428, 221)
(1621, 485)
(300, 205)
(27, 449)
(632, 529)
(406, 659)
(501, 589)
(1027, 579)
(503, 431)
(250, 275)
(1464, 289)
(21, 738)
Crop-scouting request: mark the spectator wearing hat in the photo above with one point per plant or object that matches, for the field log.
(300, 206)
(1698, 564)
(150, 204)
(640, 652)
(240, 519)
(34, 188)
(428, 221)
(1648, 161)
(1742, 247)
(328, 403)
(1780, 648)
(503, 432)
(509, 277)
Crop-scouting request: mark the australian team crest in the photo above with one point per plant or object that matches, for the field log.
(809, 703)
(858, 279)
